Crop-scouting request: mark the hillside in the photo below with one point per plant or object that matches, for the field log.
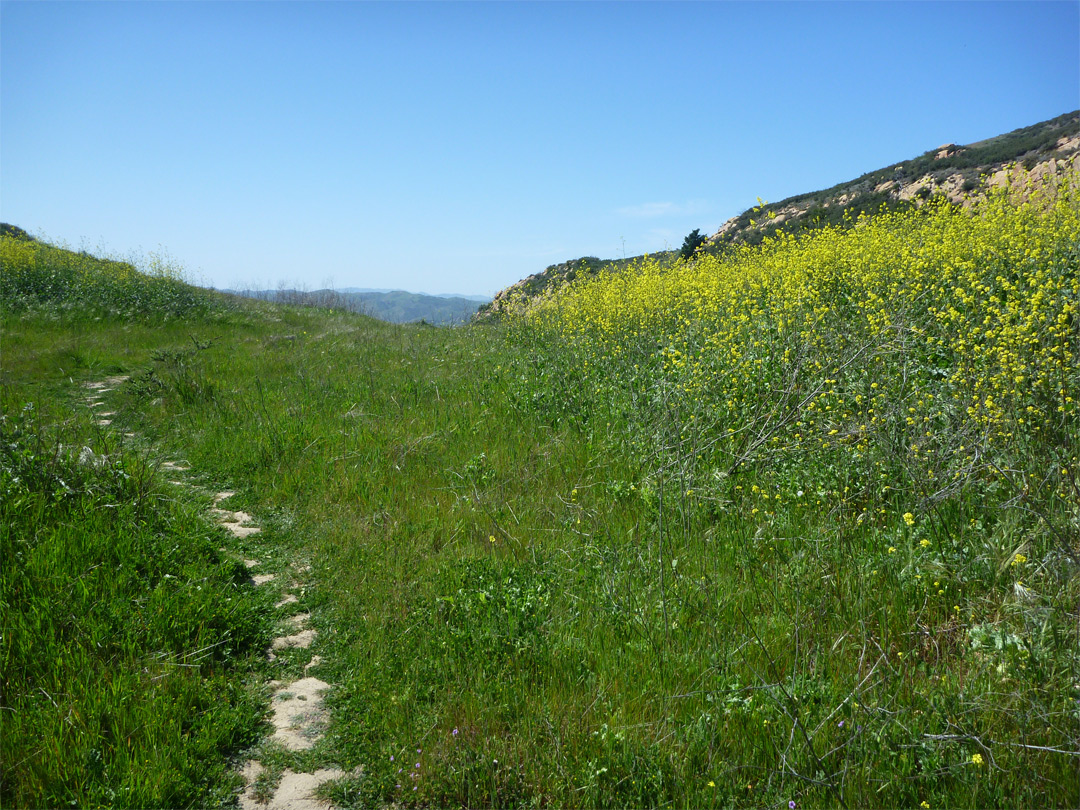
(37, 275)
(954, 172)
(951, 171)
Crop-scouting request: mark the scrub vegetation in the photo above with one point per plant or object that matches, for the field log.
(792, 525)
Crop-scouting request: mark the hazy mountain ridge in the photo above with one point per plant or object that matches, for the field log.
(479, 298)
(953, 171)
(394, 306)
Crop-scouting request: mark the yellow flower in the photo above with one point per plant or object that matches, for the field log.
(892, 549)
(977, 759)
(924, 543)
(712, 783)
(1019, 559)
(924, 805)
(909, 519)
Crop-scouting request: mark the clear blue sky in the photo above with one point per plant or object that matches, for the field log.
(456, 147)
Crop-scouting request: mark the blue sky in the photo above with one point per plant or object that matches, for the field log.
(458, 147)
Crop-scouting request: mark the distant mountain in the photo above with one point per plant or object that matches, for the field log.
(948, 170)
(395, 306)
(478, 298)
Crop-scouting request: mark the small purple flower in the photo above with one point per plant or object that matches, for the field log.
(417, 764)
(418, 750)
(391, 757)
(414, 787)
(841, 724)
(455, 731)
(791, 804)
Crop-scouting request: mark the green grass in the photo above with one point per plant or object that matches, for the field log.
(125, 630)
(513, 587)
(129, 633)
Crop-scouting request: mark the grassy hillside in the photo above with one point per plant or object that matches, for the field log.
(858, 457)
(42, 277)
(792, 526)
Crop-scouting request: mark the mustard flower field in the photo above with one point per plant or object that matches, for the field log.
(877, 426)
(903, 363)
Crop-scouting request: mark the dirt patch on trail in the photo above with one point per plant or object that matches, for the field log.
(298, 723)
(301, 640)
(100, 387)
(295, 791)
(239, 523)
(298, 714)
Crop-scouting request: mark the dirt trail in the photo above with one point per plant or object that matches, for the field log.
(299, 719)
(93, 399)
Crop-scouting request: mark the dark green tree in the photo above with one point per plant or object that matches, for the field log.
(691, 243)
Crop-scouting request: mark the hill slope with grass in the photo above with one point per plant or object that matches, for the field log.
(794, 524)
(38, 276)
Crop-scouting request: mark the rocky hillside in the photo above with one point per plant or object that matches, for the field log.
(956, 172)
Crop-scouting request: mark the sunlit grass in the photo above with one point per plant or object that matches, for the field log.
(123, 627)
(723, 534)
